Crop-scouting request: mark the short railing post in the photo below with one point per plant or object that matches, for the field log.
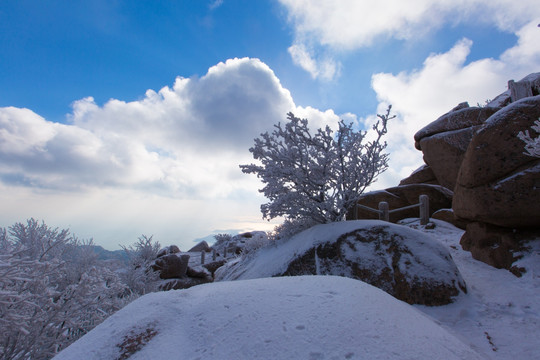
(384, 213)
(203, 256)
(214, 255)
(424, 209)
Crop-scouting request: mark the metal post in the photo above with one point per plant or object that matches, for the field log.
(424, 209)
(384, 213)
(203, 255)
(214, 255)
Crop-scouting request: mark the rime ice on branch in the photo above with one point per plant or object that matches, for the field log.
(316, 176)
(532, 145)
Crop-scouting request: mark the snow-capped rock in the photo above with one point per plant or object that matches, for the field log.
(401, 261)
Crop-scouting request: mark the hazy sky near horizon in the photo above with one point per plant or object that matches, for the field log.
(122, 118)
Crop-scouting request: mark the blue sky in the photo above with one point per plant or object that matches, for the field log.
(125, 118)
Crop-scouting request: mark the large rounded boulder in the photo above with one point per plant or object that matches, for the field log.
(406, 263)
(497, 183)
(171, 266)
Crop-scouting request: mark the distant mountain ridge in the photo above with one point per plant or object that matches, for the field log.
(104, 254)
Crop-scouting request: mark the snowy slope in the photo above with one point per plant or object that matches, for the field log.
(500, 314)
(328, 317)
(308, 317)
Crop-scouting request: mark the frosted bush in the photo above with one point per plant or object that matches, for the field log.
(532, 145)
(316, 176)
(139, 277)
(52, 290)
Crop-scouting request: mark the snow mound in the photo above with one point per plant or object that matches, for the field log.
(307, 317)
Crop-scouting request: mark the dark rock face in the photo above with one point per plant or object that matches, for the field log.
(497, 246)
(445, 141)
(213, 266)
(171, 249)
(497, 183)
(414, 272)
(405, 195)
(202, 246)
(171, 266)
(423, 175)
(185, 283)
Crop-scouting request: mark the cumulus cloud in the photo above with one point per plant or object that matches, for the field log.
(349, 24)
(166, 164)
(184, 141)
(421, 96)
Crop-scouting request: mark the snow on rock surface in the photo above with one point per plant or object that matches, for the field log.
(308, 317)
(404, 262)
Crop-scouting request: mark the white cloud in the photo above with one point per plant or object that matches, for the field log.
(215, 4)
(164, 164)
(186, 140)
(324, 67)
(349, 24)
(421, 96)
(331, 27)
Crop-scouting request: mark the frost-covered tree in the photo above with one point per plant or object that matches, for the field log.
(316, 176)
(51, 291)
(532, 145)
(139, 277)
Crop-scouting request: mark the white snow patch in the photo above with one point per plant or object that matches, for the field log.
(308, 317)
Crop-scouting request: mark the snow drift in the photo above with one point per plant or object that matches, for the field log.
(307, 317)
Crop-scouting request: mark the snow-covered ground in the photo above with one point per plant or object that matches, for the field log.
(500, 315)
(325, 317)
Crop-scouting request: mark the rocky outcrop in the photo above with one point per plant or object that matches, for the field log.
(497, 180)
(422, 175)
(202, 246)
(405, 195)
(406, 263)
(497, 246)
(444, 141)
(171, 249)
(214, 265)
(171, 266)
(476, 152)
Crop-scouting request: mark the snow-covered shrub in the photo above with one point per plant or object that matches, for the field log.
(139, 277)
(222, 239)
(316, 176)
(532, 145)
(50, 294)
(259, 239)
(289, 228)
